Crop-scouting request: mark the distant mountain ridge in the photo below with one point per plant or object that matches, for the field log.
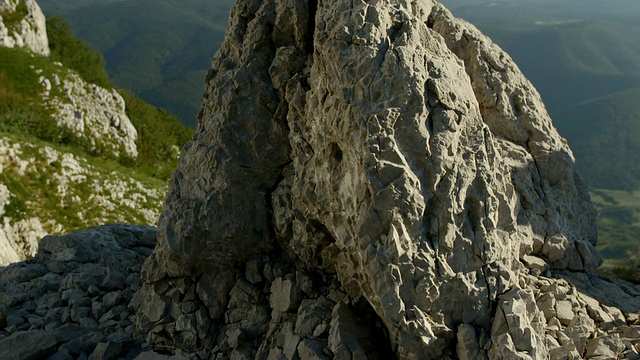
(161, 50)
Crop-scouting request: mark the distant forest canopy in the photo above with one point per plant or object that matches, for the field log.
(159, 49)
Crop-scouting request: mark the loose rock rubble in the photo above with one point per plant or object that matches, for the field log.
(72, 299)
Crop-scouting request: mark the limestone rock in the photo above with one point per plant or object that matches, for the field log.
(28, 31)
(389, 161)
(94, 114)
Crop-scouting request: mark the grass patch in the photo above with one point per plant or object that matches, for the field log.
(618, 222)
(94, 191)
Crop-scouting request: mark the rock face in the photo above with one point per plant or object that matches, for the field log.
(22, 24)
(92, 113)
(371, 178)
(384, 160)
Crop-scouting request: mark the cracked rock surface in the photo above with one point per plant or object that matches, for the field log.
(368, 180)
(373, 179)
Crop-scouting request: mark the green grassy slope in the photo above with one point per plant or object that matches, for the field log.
(53, 177)
(159, 49)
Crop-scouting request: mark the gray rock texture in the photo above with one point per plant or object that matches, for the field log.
(368, 180)
(29, 31)
(401, 186)
(58, 303)
(92, 113)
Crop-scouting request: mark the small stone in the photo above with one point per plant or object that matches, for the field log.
(607, 346)
(93, 290)
(253, 270)
(112, 299)
(62, 354)
(14, 320)
(107, 351)
(57, 267)
(285, 294)
(564, 312)
(114, 280)
(79, 312)
(151, 355)
(291, 342)
(312, 349)
(71, 294)
(98, 309)
(36, 321)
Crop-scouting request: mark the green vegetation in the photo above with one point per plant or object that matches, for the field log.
(79, 201)
(54, 175)
(160, 136)
(76, 54)
(23, 112)
(158, 49)
(11, 19)
(618, 222)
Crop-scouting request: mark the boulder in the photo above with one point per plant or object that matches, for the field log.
(392, 159)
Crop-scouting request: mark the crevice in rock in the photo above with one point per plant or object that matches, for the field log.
(311, 25)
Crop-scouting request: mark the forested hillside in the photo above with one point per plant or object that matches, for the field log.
(159, 49)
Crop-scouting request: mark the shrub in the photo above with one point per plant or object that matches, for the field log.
(159, 133)
(76, 54)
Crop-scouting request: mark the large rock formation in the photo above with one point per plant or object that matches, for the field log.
(22, 24)
(377, 178)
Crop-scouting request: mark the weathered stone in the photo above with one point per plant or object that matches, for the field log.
(14, 320)
(311, 314)
(84, 344)
(28, 345)
(347, 339)
(467, 347)
(607, 346)
(29, 32)
(62, 354)
(285, 294)
(312, 349)
(112, 299)
(151, 355)
(291, 342)
(107, 351)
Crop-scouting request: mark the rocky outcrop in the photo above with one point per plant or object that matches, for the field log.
(91, 113)
(375, 178)
(47, 191)
(22, 24)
